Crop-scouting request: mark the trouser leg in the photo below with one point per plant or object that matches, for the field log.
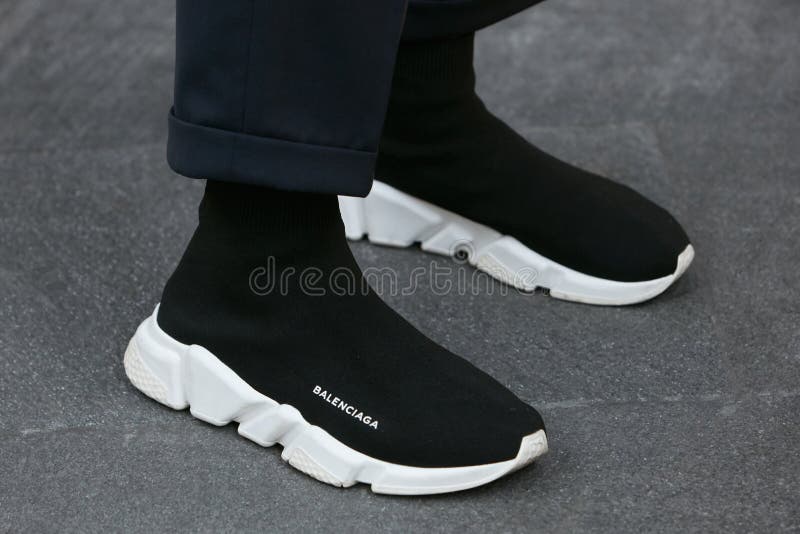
(292, 94)
(289, 94)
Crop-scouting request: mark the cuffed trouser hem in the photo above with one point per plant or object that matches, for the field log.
(202, 152)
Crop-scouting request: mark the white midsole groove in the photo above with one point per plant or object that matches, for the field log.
(181, 376)
(390, 217)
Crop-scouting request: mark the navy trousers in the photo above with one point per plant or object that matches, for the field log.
(292, 94)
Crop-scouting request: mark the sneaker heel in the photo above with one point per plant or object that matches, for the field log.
(153, 365)
(353, 216)
(393, 218)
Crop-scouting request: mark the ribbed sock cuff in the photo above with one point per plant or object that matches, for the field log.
(250, 208)
(442, 61)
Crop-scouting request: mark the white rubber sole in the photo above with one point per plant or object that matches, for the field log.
(390, 217)
(181, 376)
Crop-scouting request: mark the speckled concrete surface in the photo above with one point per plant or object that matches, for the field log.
(682, 415)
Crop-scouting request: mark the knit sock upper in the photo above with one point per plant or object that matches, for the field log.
(441, 144)
(268, 284)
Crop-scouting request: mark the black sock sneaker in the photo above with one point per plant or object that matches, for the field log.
(451, 176)
(267, 321)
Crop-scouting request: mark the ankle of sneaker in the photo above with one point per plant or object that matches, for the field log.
(433, 99)
(255, 209)
(445, 64)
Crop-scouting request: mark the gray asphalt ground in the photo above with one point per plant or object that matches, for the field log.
(681, 415)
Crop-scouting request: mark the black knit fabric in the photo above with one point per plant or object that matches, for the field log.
(432, 408)
(441, 144)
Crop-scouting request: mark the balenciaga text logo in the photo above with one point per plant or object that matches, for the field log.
(349, 409)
